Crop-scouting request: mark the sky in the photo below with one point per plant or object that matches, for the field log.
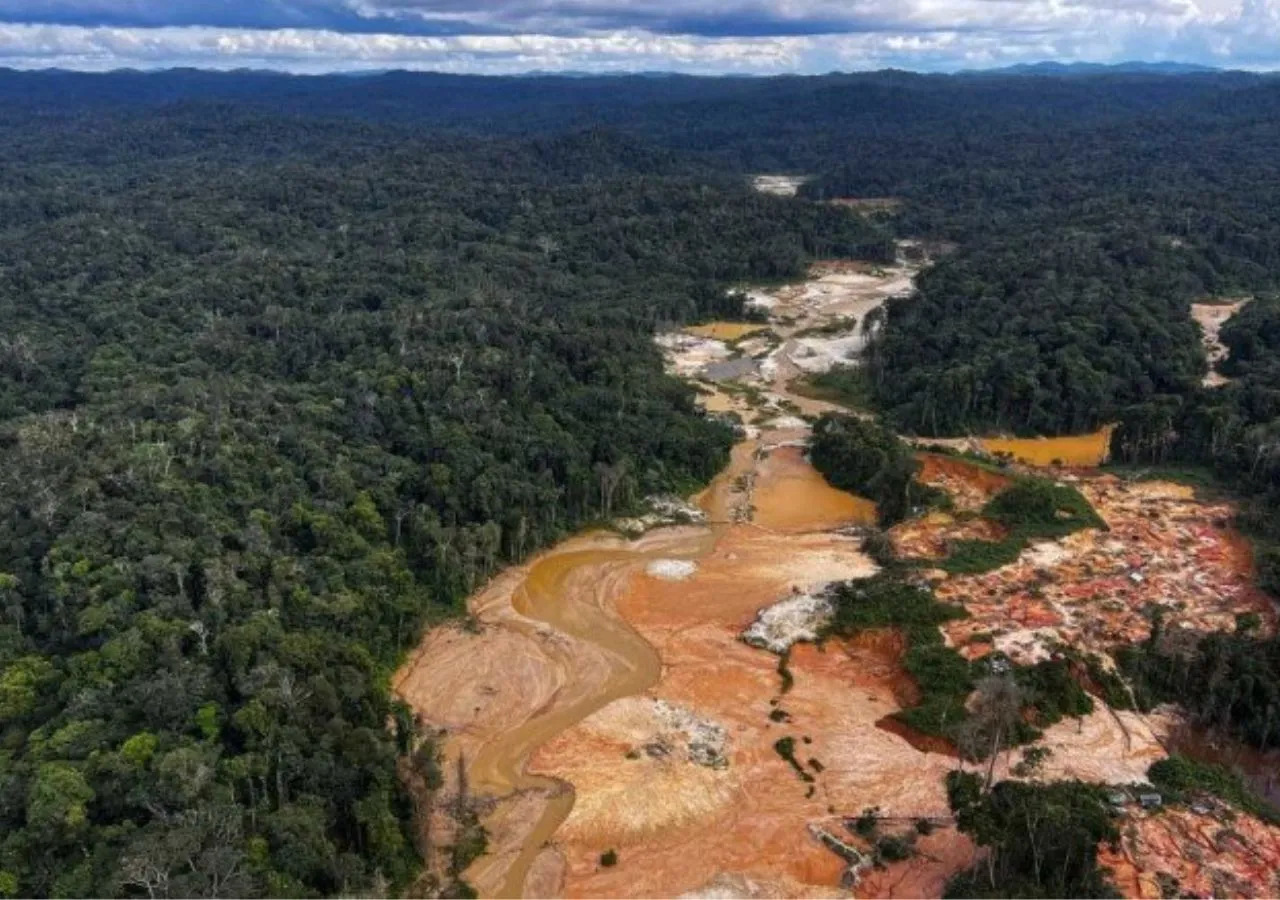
(761, 37)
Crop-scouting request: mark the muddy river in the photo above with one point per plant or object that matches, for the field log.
(565, 604)
(551, 593)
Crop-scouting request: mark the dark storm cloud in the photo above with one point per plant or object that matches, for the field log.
(728, 18)
(329, 15)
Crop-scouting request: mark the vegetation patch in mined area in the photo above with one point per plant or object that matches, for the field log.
(1180, 779)
(1030, 509)
(865, 458)
(1041, 840)
(1013, 702)
(1225, 681)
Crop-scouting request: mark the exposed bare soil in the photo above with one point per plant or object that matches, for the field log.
(778, 185)
(1181, 853)
(1095, 589)
(1211, 317)
(607, 701)
(969, 486)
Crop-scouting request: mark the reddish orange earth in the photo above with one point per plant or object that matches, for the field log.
(748, 818)
(1181, 853)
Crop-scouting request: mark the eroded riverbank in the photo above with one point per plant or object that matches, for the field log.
(580, 627)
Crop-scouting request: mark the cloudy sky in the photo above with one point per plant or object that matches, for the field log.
(702, 36)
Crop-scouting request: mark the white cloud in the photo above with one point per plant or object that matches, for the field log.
(919, 34)
(310, 50)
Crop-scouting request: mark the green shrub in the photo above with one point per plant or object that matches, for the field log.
(887, 601)
(868, 822)
(786, 748)
(973, 557)
(1031, 509)
(1053, 690)
(1227, 681)
(846, 385)
(1040, 508)
(895, 848)
(1114, 691)
(1041, 839)
(1180, 777)
(784, 671)
(865, 458)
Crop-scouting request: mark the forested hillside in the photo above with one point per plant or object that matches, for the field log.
(1087, 211)
(1080, 250)
(272, 396)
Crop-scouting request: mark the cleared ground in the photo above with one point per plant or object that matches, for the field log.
(607, 702)
(1211, 317)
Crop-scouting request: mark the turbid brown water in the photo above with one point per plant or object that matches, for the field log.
(1259, 769)
(1073, 450)
(599, 658)
(725, 331)
(793, 496)
(574, 592)
(591, 658)
(552, 593)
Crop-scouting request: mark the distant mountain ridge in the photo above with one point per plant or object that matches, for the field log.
(1049, 67)
(1043, 68)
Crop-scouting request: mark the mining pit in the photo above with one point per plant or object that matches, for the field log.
(622, 704)
(778, 185)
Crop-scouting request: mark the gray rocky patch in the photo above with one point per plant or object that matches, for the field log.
(706, 741)
(664, 509)
(800, 617)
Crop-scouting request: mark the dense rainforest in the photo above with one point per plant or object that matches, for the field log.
(272, 396)
(291, 365)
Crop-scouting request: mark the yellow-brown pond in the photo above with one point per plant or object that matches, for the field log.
(725, 331)
(791, 496)
(1074, 450)
(717, 402)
